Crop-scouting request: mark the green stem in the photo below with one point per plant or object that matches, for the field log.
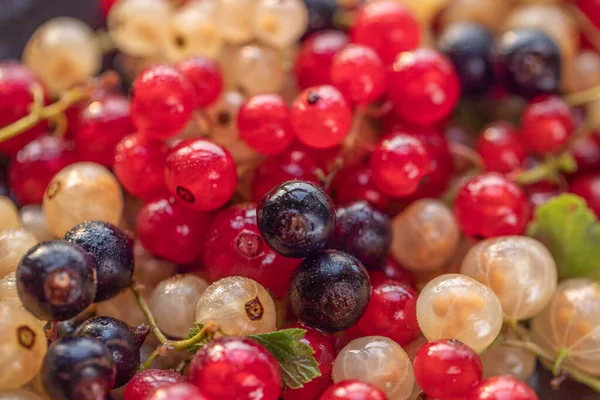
(550, 170)
(206, 332)
(137, 291)
(562, 356)
(149, 360)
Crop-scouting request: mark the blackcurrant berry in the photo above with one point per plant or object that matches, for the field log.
(296, 218)
(321, 14)
(330, 291)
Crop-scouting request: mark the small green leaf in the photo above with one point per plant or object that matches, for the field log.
(571, 232)
(298, 366)
(193, 332)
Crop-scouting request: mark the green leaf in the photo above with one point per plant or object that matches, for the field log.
(193, 332)
(298, 366)
(571, 232)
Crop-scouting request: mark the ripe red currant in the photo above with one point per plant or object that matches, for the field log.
(353, 390)
(500, 147)
(206, 79)
(201, 174)
(394, 271)
(490, 205)
(539, 193)
(588, 187)
(447, 369)
(313, 64)
(105, 6)
(355, 182)
(144, 383)
(424, 87)
(586, 151)
(547, 124)
(321, 117)
(177, 391)
(502, 388)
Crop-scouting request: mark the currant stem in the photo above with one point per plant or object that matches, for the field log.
(149, 360)
(137, 291)
(208, 331)
(548, 170)
(562, 355)
(583, 97)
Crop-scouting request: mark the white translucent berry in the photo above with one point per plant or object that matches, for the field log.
(149, 270)
(454, 306)
(234, 19)
(9, 215)
(34, 220)
(501, 360)
(18, 394)
(14, 243)
(8, 290)
(241, 306)
(259, 69)
(279, 23)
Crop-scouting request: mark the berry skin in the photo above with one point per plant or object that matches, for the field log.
(502, 388)
(296, 218)
(206, 79)
(314, 61)
(34, 166)
(201, 174)
(264, 124)
(398, 164)
(56, 280)
(396, 272)
(588, 187)
(490, 205)
(236, 368)
(144, 383)
(162, 101)
(359, 74)
(111, 250)
(362, 232)
(353, 390)
(500, 148)
(447, 369)
(468, 46)
(321, 15)
(423, 86)
(330, 291)
(178, 391)
(547, 124)
(170, 230)
(355, 182)
(527, 62)
(321, 117)
(387, 27)
(586, 151)
(541, 192)
(140, 166)
(234, 247)
(78, 368)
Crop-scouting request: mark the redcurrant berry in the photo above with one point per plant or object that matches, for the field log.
(588, 187)
(144, 383)
(314, 61)
(539, 193)
(547, 124)
(586, 151)
(500, 147)
(394, 271)
(206, 79)
(353, 390)
(502, 388)
(355, 182)
(105, 6)
(177, 391)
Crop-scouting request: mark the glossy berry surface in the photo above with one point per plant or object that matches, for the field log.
(329, 291)
(547, 124)
(387, 27)
(501, 148)
(321, 117)
(527, 62)
(264, 124)
(78, 368)
(205, 77)
(398, 164)
(162, 101)
(355, 182)
(490, 205)
(313, 65)
(423, 86)
(296, 218)
(56, 280)
(146, 382)
(394, 271)
(586, 151)
(468, 46)
(588, 187)
(201, 174)
(358, 73)
(364, 232)
(178, 391)
(34, 166)
(447, 369)
(502, 388)
(238, 368)
(353, 390)
(234, 247)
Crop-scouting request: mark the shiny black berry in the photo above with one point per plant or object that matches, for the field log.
(528, 62)
(321, 15)
(296, 218)
(78, 368)
(111, 250)
(56, 280)
(330, 291)
(469, 47)
(363, 232)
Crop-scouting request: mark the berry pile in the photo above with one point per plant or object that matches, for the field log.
(303, 200)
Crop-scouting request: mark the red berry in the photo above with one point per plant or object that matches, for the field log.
(586, 151)
(202, 174)
(106, 5)
(34, 166)
(236, 368)
(393, 270)
(502, 388)
(163, 101)
(547, 124)
(144, 383)
(500, 147)
(353, 390)
(447, 369)
(315, 58)
(264, 124)
(177, 391)
(355, 182)
(359, 74)
(539, 193)
(490, 205)
(399, 163)
(140, 166)
(102, 124)
(206, 79)
(424, 87)
(392, 312)
(588, 187)
(170, 230)
(387, 27)
(321, 117)
(16, 82)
